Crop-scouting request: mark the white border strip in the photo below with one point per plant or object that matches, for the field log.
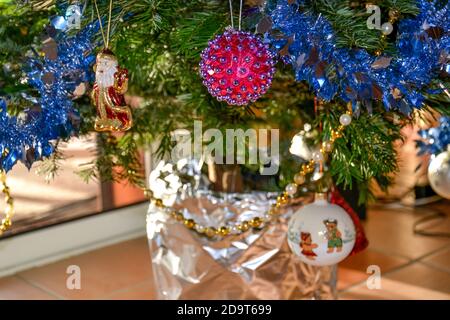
(55, 243)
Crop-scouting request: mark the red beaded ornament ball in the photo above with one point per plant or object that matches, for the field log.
(237, 67)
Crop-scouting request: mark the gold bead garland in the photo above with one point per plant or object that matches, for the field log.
(210, 232)
(9, 210)
(307, 168)
(256, 223)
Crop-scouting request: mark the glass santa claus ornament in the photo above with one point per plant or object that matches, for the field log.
(111, 84)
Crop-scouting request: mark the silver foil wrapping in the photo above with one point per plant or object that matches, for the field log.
(253, 265)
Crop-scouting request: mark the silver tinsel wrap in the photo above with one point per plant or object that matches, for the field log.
(253, 265)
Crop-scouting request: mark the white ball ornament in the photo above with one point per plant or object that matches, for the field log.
(439, 174)
(307, 127)
(321, 233)
(317, 156)
(387, 28)
(345, 119)
(291, 189)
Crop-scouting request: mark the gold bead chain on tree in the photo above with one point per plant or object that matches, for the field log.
(257, 222)
(9, 210)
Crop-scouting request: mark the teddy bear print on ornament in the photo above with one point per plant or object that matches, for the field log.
(321, 233)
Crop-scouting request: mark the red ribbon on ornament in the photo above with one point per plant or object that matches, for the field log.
(361, 241)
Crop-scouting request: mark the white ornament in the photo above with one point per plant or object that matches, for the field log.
(300, 147)
(234, 230)
(291, 189)
(439, 174)
(164, 183)
(199, 228)
(387, 28)
(321, 233)
(345, 119)
(317, 156)
(307, 127)
(73, 16)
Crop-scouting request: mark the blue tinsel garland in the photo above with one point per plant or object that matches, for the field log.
(354, 74)
(29, 137)
(435, 140)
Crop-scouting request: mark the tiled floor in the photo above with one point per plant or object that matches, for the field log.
(412, 266)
